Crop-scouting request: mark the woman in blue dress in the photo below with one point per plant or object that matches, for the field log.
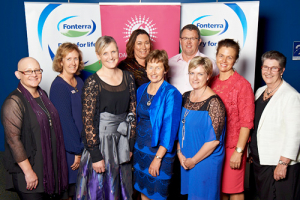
(65, 94)
(201, 135)
(158, 111)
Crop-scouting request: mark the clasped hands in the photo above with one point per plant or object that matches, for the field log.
(186, 163)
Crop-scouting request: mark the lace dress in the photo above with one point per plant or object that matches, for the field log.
(238, 98)
(205, 122)
(138, 71)
(105, 110)
(152, 187)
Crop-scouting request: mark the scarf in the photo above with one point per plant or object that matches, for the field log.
(48, 171)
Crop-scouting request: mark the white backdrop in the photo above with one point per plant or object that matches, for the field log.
(217, 21)
(49, 25)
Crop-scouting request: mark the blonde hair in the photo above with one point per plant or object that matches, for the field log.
(201, 61)
(103, 42)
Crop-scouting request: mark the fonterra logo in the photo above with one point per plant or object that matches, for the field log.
(210, 25)
(75, 26)
(140, 23)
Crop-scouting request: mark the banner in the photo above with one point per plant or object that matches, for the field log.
(49, 25)
(161, 21)
(217, 21)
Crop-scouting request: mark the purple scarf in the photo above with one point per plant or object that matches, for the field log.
(62, 173)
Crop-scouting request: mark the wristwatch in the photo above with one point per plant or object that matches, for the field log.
(282, 163)
(239, 150)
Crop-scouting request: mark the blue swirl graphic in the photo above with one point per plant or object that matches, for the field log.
(226, 27)
(94, 28)
(44, 15)
(65, 19)
(200, 18)
(240, 13)
(52, 55)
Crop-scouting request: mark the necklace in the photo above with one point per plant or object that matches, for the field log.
(46, 111)
(149, 99)
(268, 93)
(187, 111)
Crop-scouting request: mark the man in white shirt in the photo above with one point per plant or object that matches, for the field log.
(178, 72)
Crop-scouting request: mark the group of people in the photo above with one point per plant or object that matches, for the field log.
(120, 132)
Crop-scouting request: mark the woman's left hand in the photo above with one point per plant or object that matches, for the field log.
(76, 162)
(190, 163)
(154, 167)
(235, 160)
(280, 172)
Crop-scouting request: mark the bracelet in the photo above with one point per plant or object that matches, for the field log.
(158, 157)
(178, 151)
(282, 163)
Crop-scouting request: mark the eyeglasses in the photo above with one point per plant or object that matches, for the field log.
(30, 72)
(192, 38)
(273, 69)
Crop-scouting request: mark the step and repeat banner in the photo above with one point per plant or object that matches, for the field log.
(217, 21)
(49, 25)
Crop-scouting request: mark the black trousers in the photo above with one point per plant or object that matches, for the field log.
(33, 196)
(269, 189)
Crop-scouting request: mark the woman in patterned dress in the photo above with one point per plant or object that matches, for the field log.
(158, 111)
(108, 112)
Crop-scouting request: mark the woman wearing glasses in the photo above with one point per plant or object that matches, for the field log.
(237, 95)
(35, 157)
(275, 139)
(65, 94)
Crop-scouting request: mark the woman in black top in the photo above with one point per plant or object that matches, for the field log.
(138, 48)
(34, 148)
(108, 113)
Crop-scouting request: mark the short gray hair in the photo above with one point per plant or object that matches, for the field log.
(274, 55)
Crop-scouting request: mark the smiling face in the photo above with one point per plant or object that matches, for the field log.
(226, 58)
(29, 81)
(70, 63)
(109, 56)
(271, 77)
(155, 72)
(142, 46)
(189, 46)
(198, 77)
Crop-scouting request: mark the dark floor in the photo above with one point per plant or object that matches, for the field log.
(6, 195)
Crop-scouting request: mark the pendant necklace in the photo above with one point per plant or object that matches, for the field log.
(268, 93)
(149, 99)
(46, 111)
(187, 111)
